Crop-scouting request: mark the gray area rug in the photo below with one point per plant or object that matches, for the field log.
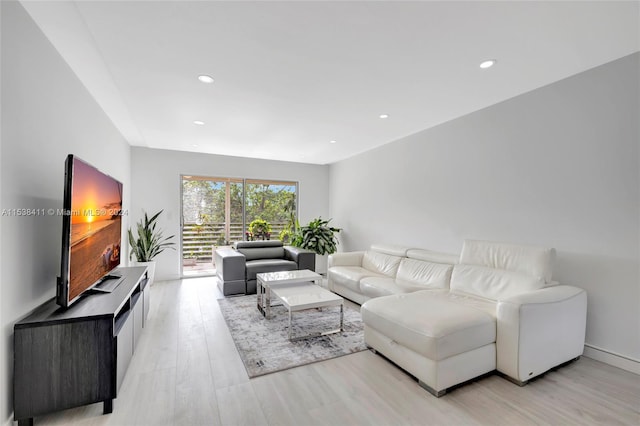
(263, 344)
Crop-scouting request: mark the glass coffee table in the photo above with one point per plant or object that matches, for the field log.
(309, 296)
(298, 291)
(268, 280)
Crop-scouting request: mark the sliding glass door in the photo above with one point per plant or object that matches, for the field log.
(218, 211)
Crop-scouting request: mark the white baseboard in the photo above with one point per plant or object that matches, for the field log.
(617, 360)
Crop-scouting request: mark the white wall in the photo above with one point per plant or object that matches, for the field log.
(554, 167)
(46, 114)
(156, 185)
(4, 402)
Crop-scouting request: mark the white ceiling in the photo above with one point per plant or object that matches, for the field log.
(292, 76)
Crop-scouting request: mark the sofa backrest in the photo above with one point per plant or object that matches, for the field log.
(491, 283)
(390, 249)
(433, 256)
(424, 274)
(497, 271)
(380, 263)
(529, 260)
(253, 250)
(384, 258)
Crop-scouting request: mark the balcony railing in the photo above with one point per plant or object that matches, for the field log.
(198, 241)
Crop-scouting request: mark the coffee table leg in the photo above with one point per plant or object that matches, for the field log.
(267, 292)
(317, 333)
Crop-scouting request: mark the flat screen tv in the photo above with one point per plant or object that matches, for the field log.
(91, 232)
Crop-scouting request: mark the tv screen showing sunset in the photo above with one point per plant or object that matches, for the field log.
(96, 206)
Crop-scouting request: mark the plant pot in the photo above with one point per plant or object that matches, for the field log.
(321, 263)
(151, 269)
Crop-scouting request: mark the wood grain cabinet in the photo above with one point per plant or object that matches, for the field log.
(66, 358)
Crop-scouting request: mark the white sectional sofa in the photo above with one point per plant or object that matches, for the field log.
(386, 269)
(447, 320)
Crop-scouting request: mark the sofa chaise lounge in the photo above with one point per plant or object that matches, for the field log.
(448, 320)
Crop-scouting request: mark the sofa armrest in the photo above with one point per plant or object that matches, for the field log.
(230, 264)
(540, 330)
(352, 258)
(306, 259)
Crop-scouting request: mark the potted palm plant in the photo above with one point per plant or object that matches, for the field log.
(148, 242)
(320, 238)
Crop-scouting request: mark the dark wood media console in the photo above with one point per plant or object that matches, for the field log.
(66, 358)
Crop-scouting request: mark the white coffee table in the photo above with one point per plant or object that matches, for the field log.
(309, 296)
(268, 280)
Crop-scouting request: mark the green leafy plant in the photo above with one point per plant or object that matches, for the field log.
(260, 229)
(318, 237)
(286, 236)
(149, 242)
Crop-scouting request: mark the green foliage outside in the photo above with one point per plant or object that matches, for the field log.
(292, 226)
(269, 202)
(263, 201)
(259, 229)
(204, 212)
(204, 199)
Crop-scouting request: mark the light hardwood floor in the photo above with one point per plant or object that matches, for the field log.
(186, 371)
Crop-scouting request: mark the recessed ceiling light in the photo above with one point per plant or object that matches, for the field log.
(205, 78)
(198, 123)
(384, 115)
(194, 145)
(332, 141)
(488, 63)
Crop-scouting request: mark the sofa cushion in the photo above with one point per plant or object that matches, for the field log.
(431, 326)
(350, 276)
(419, 275)
(380, 286)
(268, 265)
(530, 260)
(380, 263)
(485, 305)
(493, 284)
